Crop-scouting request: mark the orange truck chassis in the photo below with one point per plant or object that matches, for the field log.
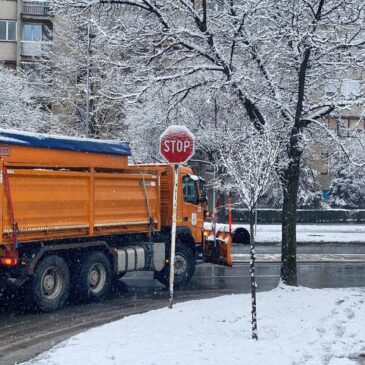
(75, 215)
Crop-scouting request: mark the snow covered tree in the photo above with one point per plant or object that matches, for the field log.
(19, 107)
(282, 64)
(76, 80)
(249, 158)
(347, 189)
(309, 191)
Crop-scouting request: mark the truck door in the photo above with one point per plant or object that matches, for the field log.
(193, 215)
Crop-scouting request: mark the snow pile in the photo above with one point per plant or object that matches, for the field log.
(295, 326)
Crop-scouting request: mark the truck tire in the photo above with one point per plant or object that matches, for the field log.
(184, 267)
(50, 284)
(241, 236)
(93, 278)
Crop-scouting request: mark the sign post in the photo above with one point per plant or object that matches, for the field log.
(173, 237)
(176, 147)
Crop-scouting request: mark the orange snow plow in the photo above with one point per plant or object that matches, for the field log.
(218, 249)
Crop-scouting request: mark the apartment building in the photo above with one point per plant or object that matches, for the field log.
(25, 30)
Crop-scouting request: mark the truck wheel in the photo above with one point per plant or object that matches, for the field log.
(51, 283)
(93, 277)
(241, 236)
(184, 267)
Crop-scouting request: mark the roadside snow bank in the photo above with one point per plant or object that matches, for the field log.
(295, 326)
(271, 233)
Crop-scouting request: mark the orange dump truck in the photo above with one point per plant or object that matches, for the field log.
(74, 216)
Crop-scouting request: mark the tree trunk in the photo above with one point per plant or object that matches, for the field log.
(253, 276)
(289, 239)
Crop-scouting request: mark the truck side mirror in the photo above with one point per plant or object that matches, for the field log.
(203, 191)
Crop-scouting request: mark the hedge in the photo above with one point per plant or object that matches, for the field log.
(303, 216)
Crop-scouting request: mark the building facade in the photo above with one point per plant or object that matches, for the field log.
(25, 30)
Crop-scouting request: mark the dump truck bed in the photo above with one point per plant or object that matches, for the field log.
(82, 190)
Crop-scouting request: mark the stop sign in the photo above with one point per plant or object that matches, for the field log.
(177, 144)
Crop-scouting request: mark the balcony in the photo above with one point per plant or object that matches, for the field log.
(38, 9)
(34, 49)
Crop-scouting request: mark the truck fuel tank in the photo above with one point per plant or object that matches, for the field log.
(147, 256)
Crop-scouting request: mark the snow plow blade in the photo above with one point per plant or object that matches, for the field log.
(218, 251)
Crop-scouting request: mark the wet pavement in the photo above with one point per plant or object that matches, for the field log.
(24, 332)
(306, 248)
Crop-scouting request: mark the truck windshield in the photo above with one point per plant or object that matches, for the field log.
(190, 190)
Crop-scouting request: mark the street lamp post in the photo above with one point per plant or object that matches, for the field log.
(87, 120)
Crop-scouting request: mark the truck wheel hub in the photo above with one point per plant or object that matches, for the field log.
(49, 283)
(180, 265)
(94, 277)
(52, 283)
(97, 277)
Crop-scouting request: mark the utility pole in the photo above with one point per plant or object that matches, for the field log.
(87, 119)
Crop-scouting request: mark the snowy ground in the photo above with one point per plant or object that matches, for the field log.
(308, 232)
(295, 326)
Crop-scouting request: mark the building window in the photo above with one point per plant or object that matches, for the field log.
(7, 30)
(32, 32)
(330, 89)
(351, 88)
(346, 89)
(216, 5)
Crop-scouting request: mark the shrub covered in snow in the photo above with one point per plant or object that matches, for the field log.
(347, 189)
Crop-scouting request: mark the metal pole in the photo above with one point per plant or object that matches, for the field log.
(214, 223)
(255, 223)
(230, 215)
(87, 120)
(173, 236)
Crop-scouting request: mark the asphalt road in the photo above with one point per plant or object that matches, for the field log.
(307, 248)
(308, 252)
(24, 333)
